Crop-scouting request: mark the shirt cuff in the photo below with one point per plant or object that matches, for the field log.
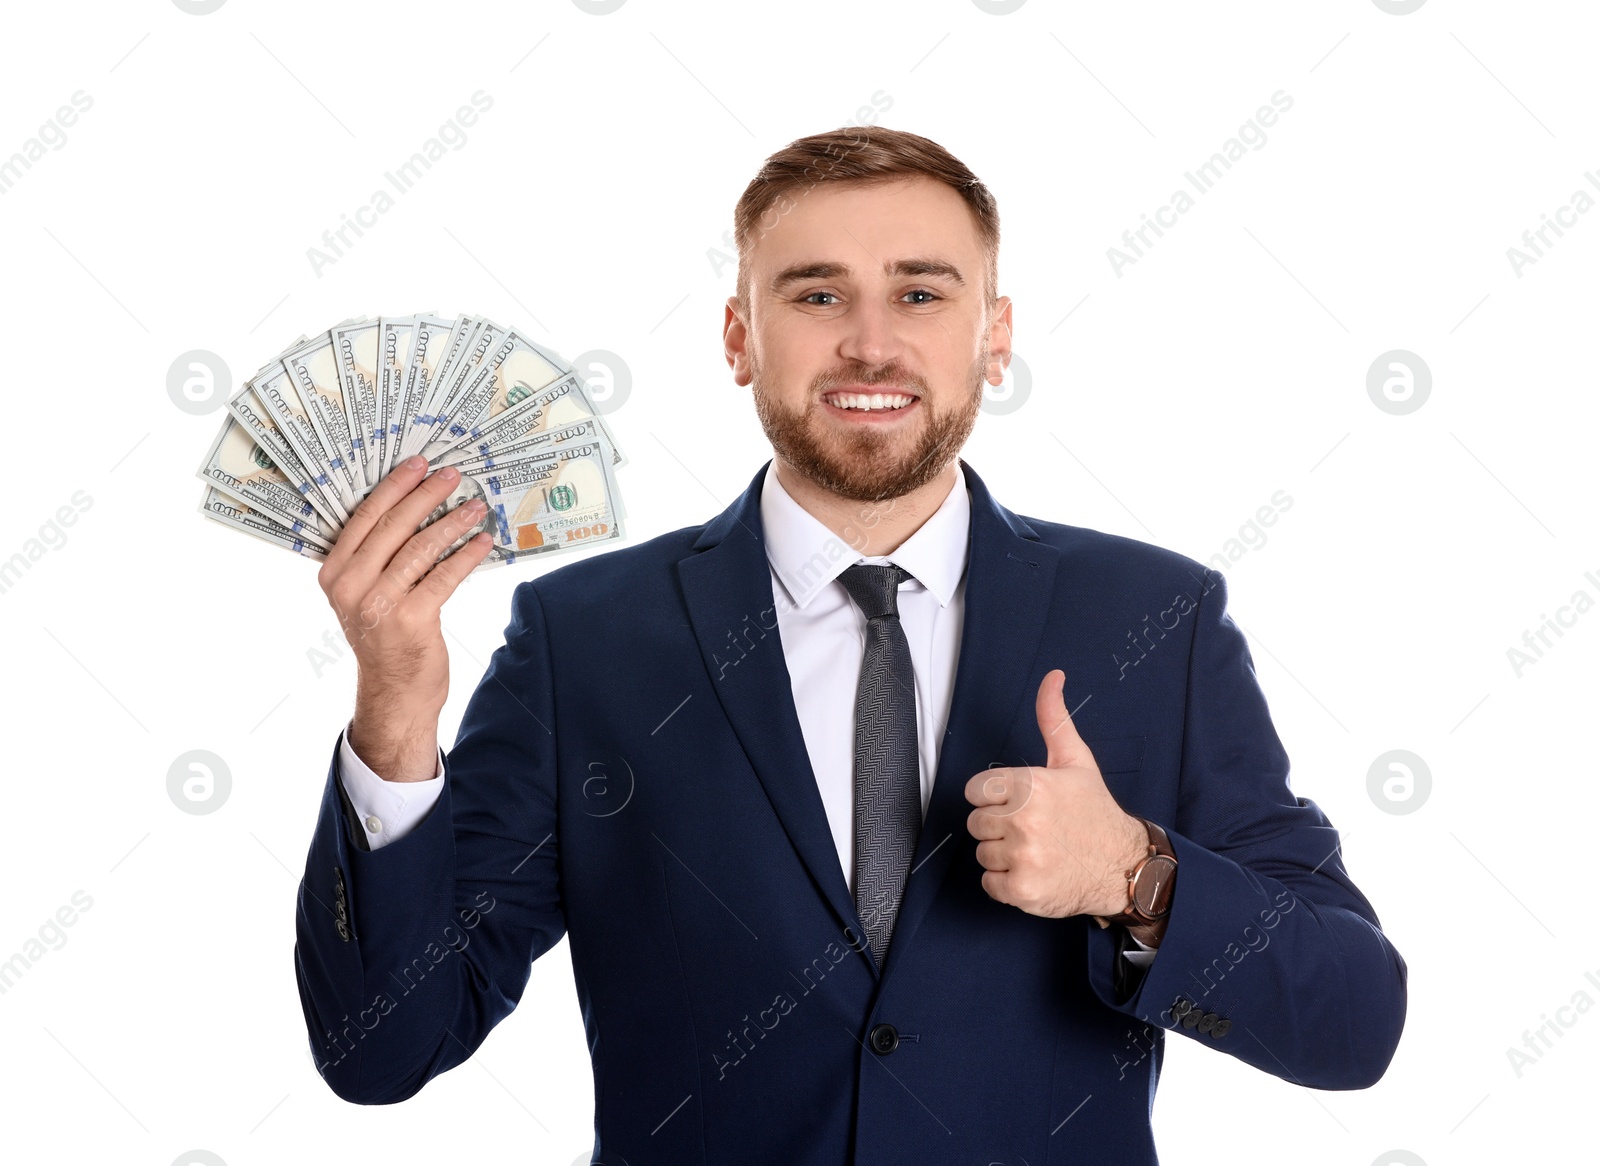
(388, 810)
(1143, 957)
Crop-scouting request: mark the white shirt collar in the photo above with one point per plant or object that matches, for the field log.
(807, 556)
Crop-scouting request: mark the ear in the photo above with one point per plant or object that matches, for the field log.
(999, 341)
(735, 341)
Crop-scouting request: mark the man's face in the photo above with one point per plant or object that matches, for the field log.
(855, 291)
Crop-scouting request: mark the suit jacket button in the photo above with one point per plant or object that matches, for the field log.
(884, 1039)
(343, 928)
(1180, 1008)
(1206, 1022)
(1191, 1018)
(1220, 1029)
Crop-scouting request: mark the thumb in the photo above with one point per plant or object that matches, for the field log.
(1062, 744)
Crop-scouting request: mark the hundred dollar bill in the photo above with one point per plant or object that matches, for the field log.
(586, 430)
(544, 440)
(482, 343)
(240, 468)
(550, 501)
(307, 437)
(277, 395)
(264, 431)
(430, 347)
(460, 355)
(314, 373)
(557, 404)
(469, 400)
(395, 336)
(515, 402)
(220, 508)
(493, 409)
(356, 353)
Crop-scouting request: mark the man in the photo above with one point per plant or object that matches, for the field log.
(844, 880)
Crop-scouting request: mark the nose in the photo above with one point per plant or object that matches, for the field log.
(869, 333)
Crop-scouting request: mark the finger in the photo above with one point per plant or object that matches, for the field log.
(997, 885)
(393, 486)
(1062, 744)
(986, 826)
(992, 787)
(396, 524)
(441, 582)
(992, 856)
(422, 550)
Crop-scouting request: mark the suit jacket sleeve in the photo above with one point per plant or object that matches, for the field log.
(408, 955)
(1267, 931)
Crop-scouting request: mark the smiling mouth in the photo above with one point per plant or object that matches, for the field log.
(885, 402)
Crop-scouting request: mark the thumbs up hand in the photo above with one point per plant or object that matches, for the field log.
(1053, 841)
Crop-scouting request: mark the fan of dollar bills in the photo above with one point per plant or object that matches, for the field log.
(317, 428)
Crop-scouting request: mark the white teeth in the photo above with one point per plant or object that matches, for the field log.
(869, 401)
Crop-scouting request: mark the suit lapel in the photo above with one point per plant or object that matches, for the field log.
(727, 587)
(1010, 580)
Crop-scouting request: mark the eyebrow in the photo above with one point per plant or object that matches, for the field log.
(802, 272)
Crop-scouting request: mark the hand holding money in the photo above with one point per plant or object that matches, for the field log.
(326, 452)
(387, 582)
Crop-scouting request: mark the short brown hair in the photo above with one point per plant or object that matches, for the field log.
(866, 156)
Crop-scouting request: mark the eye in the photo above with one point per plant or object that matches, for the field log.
(922, 291)
(809, 298)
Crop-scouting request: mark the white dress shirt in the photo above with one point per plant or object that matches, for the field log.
(823, 634)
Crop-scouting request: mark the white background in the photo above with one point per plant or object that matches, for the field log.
(1166, 403)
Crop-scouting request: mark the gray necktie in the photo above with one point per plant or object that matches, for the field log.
(888, 784)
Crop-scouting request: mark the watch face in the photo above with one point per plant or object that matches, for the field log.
(1152, 893)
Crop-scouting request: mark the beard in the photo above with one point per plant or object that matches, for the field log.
(867, 463)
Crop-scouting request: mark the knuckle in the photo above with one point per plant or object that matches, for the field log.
(368, 505)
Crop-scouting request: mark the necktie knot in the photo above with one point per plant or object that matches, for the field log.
(873, 587)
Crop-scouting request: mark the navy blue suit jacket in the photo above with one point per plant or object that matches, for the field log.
(630, 772)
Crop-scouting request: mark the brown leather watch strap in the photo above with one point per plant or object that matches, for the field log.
(1149, 882)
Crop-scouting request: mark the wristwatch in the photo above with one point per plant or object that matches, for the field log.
(1149, 883)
